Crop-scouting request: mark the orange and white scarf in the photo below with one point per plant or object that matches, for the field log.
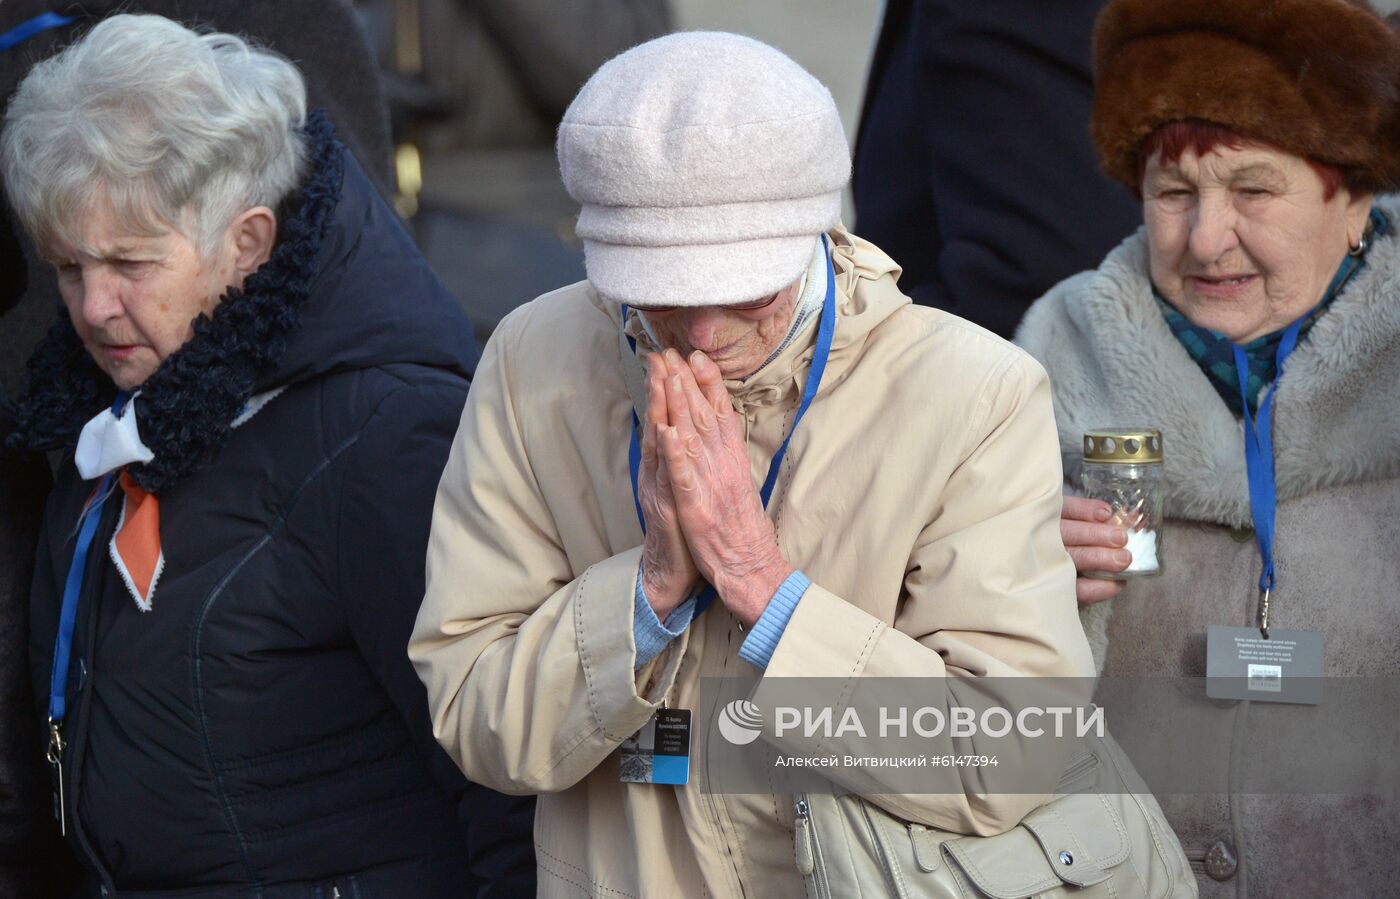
(111, 442)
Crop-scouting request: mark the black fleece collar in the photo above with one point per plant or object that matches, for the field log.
(187, 406)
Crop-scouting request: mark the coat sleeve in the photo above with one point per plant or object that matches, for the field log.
(385, 506)
(988, 592)
(529, 668)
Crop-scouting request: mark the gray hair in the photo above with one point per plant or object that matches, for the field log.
(176, 129)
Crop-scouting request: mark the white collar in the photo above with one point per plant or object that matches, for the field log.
(109, 442)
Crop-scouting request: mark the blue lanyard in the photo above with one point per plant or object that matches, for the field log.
(25, 30)
(72, 589)
(825, 332)
(1259, 464)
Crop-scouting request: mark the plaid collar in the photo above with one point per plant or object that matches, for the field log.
(1214, 352)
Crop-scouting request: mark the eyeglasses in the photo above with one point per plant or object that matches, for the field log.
(750, 306)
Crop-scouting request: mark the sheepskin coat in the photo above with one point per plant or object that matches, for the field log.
(1113, 360)
(259, 731)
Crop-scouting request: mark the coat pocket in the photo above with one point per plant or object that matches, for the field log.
(1102, 836)
(1073, 843)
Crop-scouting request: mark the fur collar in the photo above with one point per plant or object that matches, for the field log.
(1113, 360)
(187, 407)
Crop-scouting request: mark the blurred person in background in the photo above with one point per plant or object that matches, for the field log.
(609, 462)
(254, 383)
(505, 70)
(973, 166)
(478, 88)
(1258, 304)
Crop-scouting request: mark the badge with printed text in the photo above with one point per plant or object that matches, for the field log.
(659, 753)
(1242, 664)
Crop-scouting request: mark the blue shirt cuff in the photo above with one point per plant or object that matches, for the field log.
(758, 647)
(649, 634)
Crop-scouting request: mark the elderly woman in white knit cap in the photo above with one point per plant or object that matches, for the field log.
(735, 449)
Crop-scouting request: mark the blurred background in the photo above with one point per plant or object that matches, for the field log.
(476, 88)
(975, 144)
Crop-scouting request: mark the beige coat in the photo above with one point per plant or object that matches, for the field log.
(1113, 359)
(921, 494)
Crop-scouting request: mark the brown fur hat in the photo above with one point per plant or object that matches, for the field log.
(1317, 78)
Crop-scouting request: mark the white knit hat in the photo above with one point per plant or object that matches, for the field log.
(706, 165)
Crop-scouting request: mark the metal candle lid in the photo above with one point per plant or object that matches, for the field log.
(1126, 446)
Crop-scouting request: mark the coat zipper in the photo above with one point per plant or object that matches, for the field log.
(808, 842)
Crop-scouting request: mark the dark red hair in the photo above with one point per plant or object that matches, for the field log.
(1175, 138)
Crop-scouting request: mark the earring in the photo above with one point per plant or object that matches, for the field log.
(1360, 248)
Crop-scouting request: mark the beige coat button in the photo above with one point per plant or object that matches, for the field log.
(1242, 534)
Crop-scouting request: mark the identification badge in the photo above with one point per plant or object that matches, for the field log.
(659, 753)
(1241, 664)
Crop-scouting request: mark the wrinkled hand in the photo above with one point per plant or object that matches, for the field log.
(1095, 544)
(733, 543)
(668, 572)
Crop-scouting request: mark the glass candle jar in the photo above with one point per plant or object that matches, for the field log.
(1123, 467)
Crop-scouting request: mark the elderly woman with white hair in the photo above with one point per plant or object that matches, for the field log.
(735, 450)
(255, 381)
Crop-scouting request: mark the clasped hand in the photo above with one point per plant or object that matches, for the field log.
(704, 516)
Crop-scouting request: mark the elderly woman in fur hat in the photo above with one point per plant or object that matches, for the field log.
(721, 456)
(1257, 305)
(254, 382)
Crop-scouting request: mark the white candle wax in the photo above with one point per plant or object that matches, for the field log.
(1143, 546)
